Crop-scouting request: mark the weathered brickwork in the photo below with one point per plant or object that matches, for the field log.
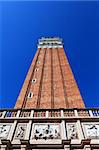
(51, 81)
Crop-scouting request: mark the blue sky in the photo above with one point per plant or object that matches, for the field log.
(22, 23)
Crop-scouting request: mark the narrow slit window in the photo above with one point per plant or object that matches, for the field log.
(36, 69)
(33, 80)
(38, 62)
(30, 95)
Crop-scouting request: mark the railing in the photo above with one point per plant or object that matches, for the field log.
(49, 113)
(95, 112)
(83, 113)
(40, 113)
(25, 113)
(54, 113)
(10, 113)
(69, 113)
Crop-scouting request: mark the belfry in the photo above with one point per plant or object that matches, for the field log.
(49, 112)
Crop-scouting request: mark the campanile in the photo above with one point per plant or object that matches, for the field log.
(50, 82)
(49, 113)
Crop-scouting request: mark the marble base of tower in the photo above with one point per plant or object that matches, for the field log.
(63, 129)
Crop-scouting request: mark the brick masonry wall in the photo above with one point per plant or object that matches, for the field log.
(55, 86)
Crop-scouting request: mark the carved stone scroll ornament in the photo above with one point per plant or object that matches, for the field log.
(4, 130)
(20, 131)
(91, 130)
(71, 131)
(46, 131)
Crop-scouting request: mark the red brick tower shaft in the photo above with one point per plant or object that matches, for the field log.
(50, 82)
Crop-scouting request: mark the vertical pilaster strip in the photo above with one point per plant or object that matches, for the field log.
(64, 88)
(63, 130)
(52, 90)
(79, 129)
(28, 130)
(40, 85)
(45, 101)
(59, 100)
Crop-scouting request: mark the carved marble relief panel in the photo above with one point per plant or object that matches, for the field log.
(91, 130)
(71, 131)
(4, 130)
(20, 131)
(46, 131)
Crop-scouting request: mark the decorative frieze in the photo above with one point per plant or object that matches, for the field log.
(4, 130)
(71, 131)
(20, 131)
(91, 130)
(46, 131)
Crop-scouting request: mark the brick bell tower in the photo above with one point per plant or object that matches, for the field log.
(49, 113)
(50, 82)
